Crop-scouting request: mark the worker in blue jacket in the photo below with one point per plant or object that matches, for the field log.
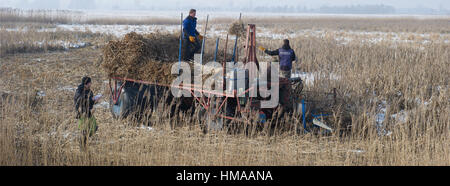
(286, 55)
(192, 37)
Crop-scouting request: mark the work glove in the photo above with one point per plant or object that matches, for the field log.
(262, 48)
(200, 37)
(192, 39)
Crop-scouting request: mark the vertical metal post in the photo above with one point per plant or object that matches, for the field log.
(234, 49)
(223, 63)
(250, 49)
(203, 42)
(225, 52)
(217, 48)
(235, 42)
(303, 115)
(237, 54)
(181, 38)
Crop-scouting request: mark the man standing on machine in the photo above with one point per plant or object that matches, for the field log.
(192, 38)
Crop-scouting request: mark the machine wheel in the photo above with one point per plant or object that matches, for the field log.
(208, 122)
(122, 108)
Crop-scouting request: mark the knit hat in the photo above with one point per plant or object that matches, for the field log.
(85, 80)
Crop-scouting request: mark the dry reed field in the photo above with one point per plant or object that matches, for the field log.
(391, 75)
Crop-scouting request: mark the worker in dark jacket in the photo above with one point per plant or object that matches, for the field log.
(84, 101)
(286, 56)
(192, 37)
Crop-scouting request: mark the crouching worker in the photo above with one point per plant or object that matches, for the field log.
(84, 102)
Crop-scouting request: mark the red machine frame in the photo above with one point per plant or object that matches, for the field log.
(205, 102)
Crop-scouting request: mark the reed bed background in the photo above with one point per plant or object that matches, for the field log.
(407, 83)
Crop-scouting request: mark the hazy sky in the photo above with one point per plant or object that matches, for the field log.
(132, 4)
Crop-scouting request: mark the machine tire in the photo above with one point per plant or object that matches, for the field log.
(121, 109)
(207, 121)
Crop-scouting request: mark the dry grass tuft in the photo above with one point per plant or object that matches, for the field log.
(237, 28)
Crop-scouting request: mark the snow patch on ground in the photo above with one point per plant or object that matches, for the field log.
(356, 151)
(67, 88)
(380, 118)
(400, 117)
(342, 37)
(120, 30)
(309, 77)
(65, 44)
(102, 104)
(40, 94)
(146, 128)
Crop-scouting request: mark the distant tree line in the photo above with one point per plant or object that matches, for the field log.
(251, 6)
(358, 9)
(353, 9)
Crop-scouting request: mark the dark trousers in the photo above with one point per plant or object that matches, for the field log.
(285, 96)
(191, 48)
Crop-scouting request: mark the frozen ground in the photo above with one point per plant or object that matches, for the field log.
(343, 37)
(309, 77)
(220, 14)
(219, 30)
(120, 30)
(65, 44)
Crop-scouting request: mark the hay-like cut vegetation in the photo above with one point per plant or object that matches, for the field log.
(142, 57)
(237, 28)
(146, 57)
